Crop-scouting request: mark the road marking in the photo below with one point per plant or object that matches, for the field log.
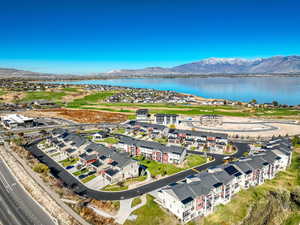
(197, 171)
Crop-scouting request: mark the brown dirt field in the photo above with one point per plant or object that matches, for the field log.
(80, 115)
(12, 96)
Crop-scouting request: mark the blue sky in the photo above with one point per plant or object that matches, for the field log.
(95, 35)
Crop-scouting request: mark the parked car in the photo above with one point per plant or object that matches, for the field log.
(69, 167)
(82, 176)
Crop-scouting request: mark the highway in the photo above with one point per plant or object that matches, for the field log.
(16, 206)
(81, 189)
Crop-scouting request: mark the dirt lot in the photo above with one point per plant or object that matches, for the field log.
(80, 116)
(12, 96)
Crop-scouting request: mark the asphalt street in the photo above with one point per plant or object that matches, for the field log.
(16, 206)
(81, 189)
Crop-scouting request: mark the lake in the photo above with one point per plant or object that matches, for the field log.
(285, 90)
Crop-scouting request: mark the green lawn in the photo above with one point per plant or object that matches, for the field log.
(241, 111)
(43, 95)
(79, 172)
(87, 179)
(136, 202)
(161, 140)
(195, 160)
(70, 89)
(2, 92)
(151, 214)
(90, 99)
(119, 131)
(114, 187)
(110, 140)
(124, 185)
(157, 168)
(69, 162)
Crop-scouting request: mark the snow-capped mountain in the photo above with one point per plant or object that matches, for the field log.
(276, 64)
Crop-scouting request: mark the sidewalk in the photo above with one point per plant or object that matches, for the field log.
(126, 210)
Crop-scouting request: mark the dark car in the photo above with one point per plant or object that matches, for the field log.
(82, 176)
(91, 173)
(69, 167)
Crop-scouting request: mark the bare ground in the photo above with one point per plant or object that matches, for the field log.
(79, 115)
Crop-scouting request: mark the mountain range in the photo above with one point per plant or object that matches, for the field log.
(285, 65)
(276, 64)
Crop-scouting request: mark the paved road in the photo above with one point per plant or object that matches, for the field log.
(31, 129)
(268, 128)
(81, 189)
(16, 206)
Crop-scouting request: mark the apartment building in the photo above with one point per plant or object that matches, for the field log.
(199, 194)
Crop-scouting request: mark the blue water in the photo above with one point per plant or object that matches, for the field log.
(285, 90)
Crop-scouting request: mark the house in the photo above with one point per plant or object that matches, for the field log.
(166, 119)
(99, 135)
(142, 114)
(13, 121)
(153, 130)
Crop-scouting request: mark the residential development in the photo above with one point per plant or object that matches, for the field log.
(199, 194)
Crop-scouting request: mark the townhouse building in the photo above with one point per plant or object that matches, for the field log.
(214, 142)
(152, 150)
(113, 166)
(199, 194)
(152, 130)
(142, 114)
(166, 119)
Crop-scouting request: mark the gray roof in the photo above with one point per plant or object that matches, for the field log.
(197, 133)
(122, 159)
(146, 125)
(59, 131)
(151, 145)
(75, 139)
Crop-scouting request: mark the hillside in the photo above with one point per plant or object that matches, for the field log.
(272, 65)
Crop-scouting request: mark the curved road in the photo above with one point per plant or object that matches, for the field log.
(81, 189)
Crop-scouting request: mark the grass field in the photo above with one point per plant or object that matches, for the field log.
(90, 99)
(70, 89)
(124, 185)
(135, 202)
(157, 168)
(240, 111)
(2, 92)
(43, 95)
(151, 214)
(195, 160)
(110, 140)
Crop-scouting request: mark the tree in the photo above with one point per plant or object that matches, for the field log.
(296, 140)
(41, 168)
(253, 101)
(275, 103)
